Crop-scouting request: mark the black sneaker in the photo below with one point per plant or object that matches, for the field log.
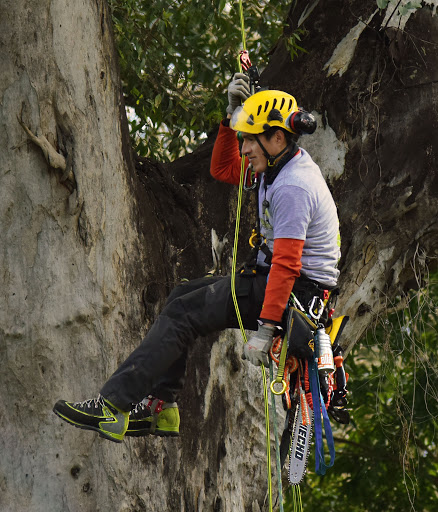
(154, 416)
(95, 414)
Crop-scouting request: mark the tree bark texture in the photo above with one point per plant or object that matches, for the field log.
(90, 250)
(91, 245)
(373, 85)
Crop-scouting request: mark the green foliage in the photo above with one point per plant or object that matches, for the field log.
(386, 459)
(402, 9)
(176, 60)
(410, 6)
(292, 43)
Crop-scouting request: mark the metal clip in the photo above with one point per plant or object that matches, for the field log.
(245, 60)
(245, 179)
(251, 70)
(320, 308)
(256, 239)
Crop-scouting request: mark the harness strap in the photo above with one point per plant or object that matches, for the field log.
(320, 464)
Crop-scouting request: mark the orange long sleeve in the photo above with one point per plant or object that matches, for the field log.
(226, 160)
(285, 268)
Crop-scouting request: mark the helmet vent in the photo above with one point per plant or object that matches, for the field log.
(250, 120)
(290, 105)
(266, 106)
(282, 103)
(259, 110)
(275, 115)
(275, 102)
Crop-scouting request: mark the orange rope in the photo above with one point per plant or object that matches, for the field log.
(307, 387)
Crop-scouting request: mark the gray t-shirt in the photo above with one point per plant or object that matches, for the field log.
(301, 207)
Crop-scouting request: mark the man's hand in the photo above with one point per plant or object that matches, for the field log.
(257, 348)
(238, 91)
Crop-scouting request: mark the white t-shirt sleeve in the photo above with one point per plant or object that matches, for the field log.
(292, 212)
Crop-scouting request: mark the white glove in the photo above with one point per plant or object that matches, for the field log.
(238, 91)
(257, 348)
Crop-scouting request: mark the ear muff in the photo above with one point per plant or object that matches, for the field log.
(301, 122)
(239, 136)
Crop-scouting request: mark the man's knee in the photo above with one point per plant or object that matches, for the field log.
(179, 290)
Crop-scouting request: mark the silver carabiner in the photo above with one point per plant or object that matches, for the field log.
(319, 309)
(245, 179)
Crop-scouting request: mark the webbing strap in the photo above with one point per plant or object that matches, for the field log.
(282, 360)
(318, 403)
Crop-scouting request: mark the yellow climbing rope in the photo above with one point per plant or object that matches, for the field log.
(233, 288)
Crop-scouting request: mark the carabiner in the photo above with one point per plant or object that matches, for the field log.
(254, 239)
(245, 179)
(320, 308)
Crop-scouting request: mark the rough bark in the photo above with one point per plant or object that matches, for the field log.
(87, 260)
(376, 143)
(86, 267)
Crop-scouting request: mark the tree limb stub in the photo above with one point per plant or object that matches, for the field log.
(54, 159)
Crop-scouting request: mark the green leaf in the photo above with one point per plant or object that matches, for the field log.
(177, 56)
(382, 4)
(157, 100)
(410, 6)
(221, 6)
(413, 5)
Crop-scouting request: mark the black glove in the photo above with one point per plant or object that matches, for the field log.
(238, 91)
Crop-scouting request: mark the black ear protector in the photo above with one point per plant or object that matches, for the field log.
(301, 122)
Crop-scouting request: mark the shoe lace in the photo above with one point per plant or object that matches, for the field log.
(96, 402)
(141, 406)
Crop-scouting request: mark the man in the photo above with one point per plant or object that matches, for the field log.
(298, 220)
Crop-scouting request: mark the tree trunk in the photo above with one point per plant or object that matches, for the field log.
(92, 244)
(376, 143)
(92, 247)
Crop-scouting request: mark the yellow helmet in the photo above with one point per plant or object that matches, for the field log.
(263, 110)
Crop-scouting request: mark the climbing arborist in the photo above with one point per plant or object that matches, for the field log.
(298, 226)
(298, 221)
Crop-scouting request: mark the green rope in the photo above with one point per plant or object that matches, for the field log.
(236, 241)
(296, 499)
(242, 24)
(233, 290)
(277, 442)
(268, 437)
(242, 330)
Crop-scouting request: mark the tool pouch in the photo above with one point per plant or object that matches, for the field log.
(300, 336)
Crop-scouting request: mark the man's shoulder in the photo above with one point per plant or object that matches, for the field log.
(300, 172)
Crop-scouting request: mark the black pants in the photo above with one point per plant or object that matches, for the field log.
(196, 308)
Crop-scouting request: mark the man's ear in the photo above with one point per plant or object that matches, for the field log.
(280, 137)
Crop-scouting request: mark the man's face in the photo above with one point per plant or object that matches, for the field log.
(254, 152)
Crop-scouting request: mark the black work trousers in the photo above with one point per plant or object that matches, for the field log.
(195, 308)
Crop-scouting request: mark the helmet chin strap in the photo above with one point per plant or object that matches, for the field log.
(271, 159)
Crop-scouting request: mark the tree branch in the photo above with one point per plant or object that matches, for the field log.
(54, 159)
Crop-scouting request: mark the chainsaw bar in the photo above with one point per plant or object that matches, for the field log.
(300, 447)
